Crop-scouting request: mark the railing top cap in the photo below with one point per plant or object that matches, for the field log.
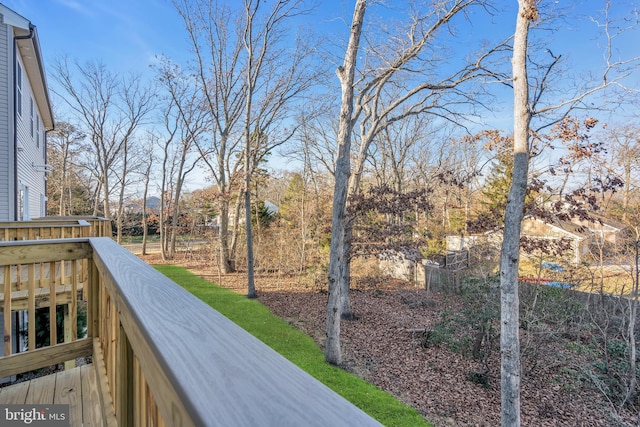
(218, 371)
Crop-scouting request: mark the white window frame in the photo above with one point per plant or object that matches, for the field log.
(19, 89)
(37, 131)
(31, 115)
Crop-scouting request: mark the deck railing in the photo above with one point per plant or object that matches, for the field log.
(163, 357)
(55, 228)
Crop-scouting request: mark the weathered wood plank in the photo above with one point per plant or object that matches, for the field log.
(202, 368)
(36, 359)
(14, 394)
(34, 251)
(68, 392)
(42, 390)
(91, 409)
(18, 284)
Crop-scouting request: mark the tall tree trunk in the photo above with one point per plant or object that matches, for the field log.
(123, 187)
(175, 213)
(163, 200)
(96, 199)
(626, 189)
(63, 180)
(145, 218)
(633, 316)
(510, 253)
(226, 263)
(105, 192)
(346, 74)
(345, 283)
(248, 43)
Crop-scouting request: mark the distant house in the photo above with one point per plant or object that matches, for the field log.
(25, 116)
(580, 237)
(605, 230)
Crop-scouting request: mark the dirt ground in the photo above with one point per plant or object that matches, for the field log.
(384, 346)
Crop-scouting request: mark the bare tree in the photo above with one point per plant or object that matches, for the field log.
(136, 104)
(219, 74)
(529, 103)
(185, 122)
(275, 84)
(64, 146)
(149, 153)
(509, 257)
(397, 82)
(111, 108)
(625, 141)
(346, 73)
(249, 76)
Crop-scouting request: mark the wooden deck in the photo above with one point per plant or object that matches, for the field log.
(76, 387)
(160, 356)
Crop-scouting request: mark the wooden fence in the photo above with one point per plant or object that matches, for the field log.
(163, 357)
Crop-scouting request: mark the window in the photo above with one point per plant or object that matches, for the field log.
(31, 115)
(37, 131)
(19, 90)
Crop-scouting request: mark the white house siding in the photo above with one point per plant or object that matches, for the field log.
(31, 174)
(6, 142)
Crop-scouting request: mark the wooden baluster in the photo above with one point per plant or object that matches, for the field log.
(32, 306)
(53, 327)
(71, 313)
(7, 310)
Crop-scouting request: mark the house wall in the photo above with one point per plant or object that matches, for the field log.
(6, 142)
(31, 178)
(31, 145)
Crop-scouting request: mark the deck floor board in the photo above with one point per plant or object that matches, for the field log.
(76, 387)
(41, 390)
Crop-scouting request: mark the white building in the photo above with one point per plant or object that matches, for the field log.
(25, 116)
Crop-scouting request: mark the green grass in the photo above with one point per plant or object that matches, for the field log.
(296, 346)
(127, 240)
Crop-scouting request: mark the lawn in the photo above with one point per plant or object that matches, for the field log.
(296, 347)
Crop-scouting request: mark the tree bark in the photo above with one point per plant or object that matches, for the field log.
(251, 10)
(346, 74)
(510, 253)
(145, 217)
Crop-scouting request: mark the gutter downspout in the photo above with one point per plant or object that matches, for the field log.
(46, 160)
(15, 154)
(15, 120)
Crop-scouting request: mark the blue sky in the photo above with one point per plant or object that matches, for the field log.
(127, 35)
(123, 34)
